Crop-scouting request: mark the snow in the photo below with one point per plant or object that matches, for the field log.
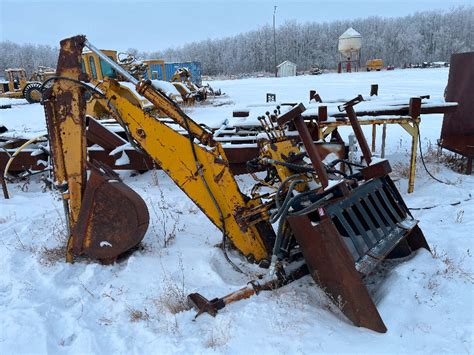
(22, 120)
(166, 87)
(49, 306)
(350, 33)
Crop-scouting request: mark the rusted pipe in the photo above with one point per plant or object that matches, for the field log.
(359, 134)
(4, 188)
(295, 116)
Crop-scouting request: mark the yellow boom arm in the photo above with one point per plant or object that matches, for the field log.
(201, 172)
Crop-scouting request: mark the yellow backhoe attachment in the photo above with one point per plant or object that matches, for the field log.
(200, 170)
(106, 217)
(336, 225)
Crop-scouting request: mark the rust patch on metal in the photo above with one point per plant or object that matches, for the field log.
(218, 177)
(73, 46)
(141, 133)
(457, 133)
(113, 218)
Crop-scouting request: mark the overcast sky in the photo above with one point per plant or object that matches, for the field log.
(153, 25)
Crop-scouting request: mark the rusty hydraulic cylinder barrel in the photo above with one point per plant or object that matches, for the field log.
(311, 150)
(359, 134)
(295, 116)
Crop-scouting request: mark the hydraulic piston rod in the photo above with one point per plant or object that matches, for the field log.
(109, 61)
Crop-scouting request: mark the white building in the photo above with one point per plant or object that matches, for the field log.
(286, 68)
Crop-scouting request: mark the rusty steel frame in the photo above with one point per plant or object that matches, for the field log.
(409, 124)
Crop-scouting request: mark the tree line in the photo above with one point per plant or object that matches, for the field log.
(28, 56)
(423, 36)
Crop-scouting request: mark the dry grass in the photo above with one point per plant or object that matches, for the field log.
(452, 267)
(105, 321)
(135, 315)
(218, 337)
(165, 222)
(434, 156)
(50, 256)
(459, 217)
(401, 170)
(23, 247)
(174, 297)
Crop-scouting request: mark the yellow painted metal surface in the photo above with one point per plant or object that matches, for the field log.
(64, 109)
(278, 150)
(92, 65)
(173, 152)
(374, 64)
(16, 83)
(408, 123)
(152, 75)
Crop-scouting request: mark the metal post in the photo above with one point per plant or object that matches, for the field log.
(359, 134)
(414, 111)
(295, 115)
(352, 148)
(384, 136)
(274, 42)
(374, 90)
(4, 188)
(414, 146)
(311, 150)
(374, 137)
(469, 166)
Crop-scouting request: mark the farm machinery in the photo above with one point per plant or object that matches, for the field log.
(306, 216)
(180, 87)
(17, 86)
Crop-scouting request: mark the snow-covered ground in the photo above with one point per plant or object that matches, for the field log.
(49, 306)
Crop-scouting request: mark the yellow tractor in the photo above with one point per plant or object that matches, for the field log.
(336, 226)
(17, 86)
(189, 91)
(98, 69)
(374, 64)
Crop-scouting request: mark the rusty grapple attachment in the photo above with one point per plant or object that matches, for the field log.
(361, 222)
(345, 238)
(113, 218)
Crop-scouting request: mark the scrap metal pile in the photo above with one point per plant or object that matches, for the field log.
(336, 220)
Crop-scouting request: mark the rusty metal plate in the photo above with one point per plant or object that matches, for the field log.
(113, 218)
(332, 267)
(457, 133)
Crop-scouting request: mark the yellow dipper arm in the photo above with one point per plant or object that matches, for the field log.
(202, 173)
(174, 154)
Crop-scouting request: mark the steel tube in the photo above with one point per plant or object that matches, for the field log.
(359, 134)
(109, 61)
(311, 150)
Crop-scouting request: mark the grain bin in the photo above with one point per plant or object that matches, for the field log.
(349, 45)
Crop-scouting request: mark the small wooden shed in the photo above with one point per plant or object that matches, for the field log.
(286, 68)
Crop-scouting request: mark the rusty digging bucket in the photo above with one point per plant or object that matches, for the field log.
(113, 218)
(345, 238)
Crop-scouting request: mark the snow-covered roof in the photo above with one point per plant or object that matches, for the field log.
(350, 33)
(286, 62)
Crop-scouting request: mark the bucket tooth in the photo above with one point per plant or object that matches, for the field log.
(113, 218)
